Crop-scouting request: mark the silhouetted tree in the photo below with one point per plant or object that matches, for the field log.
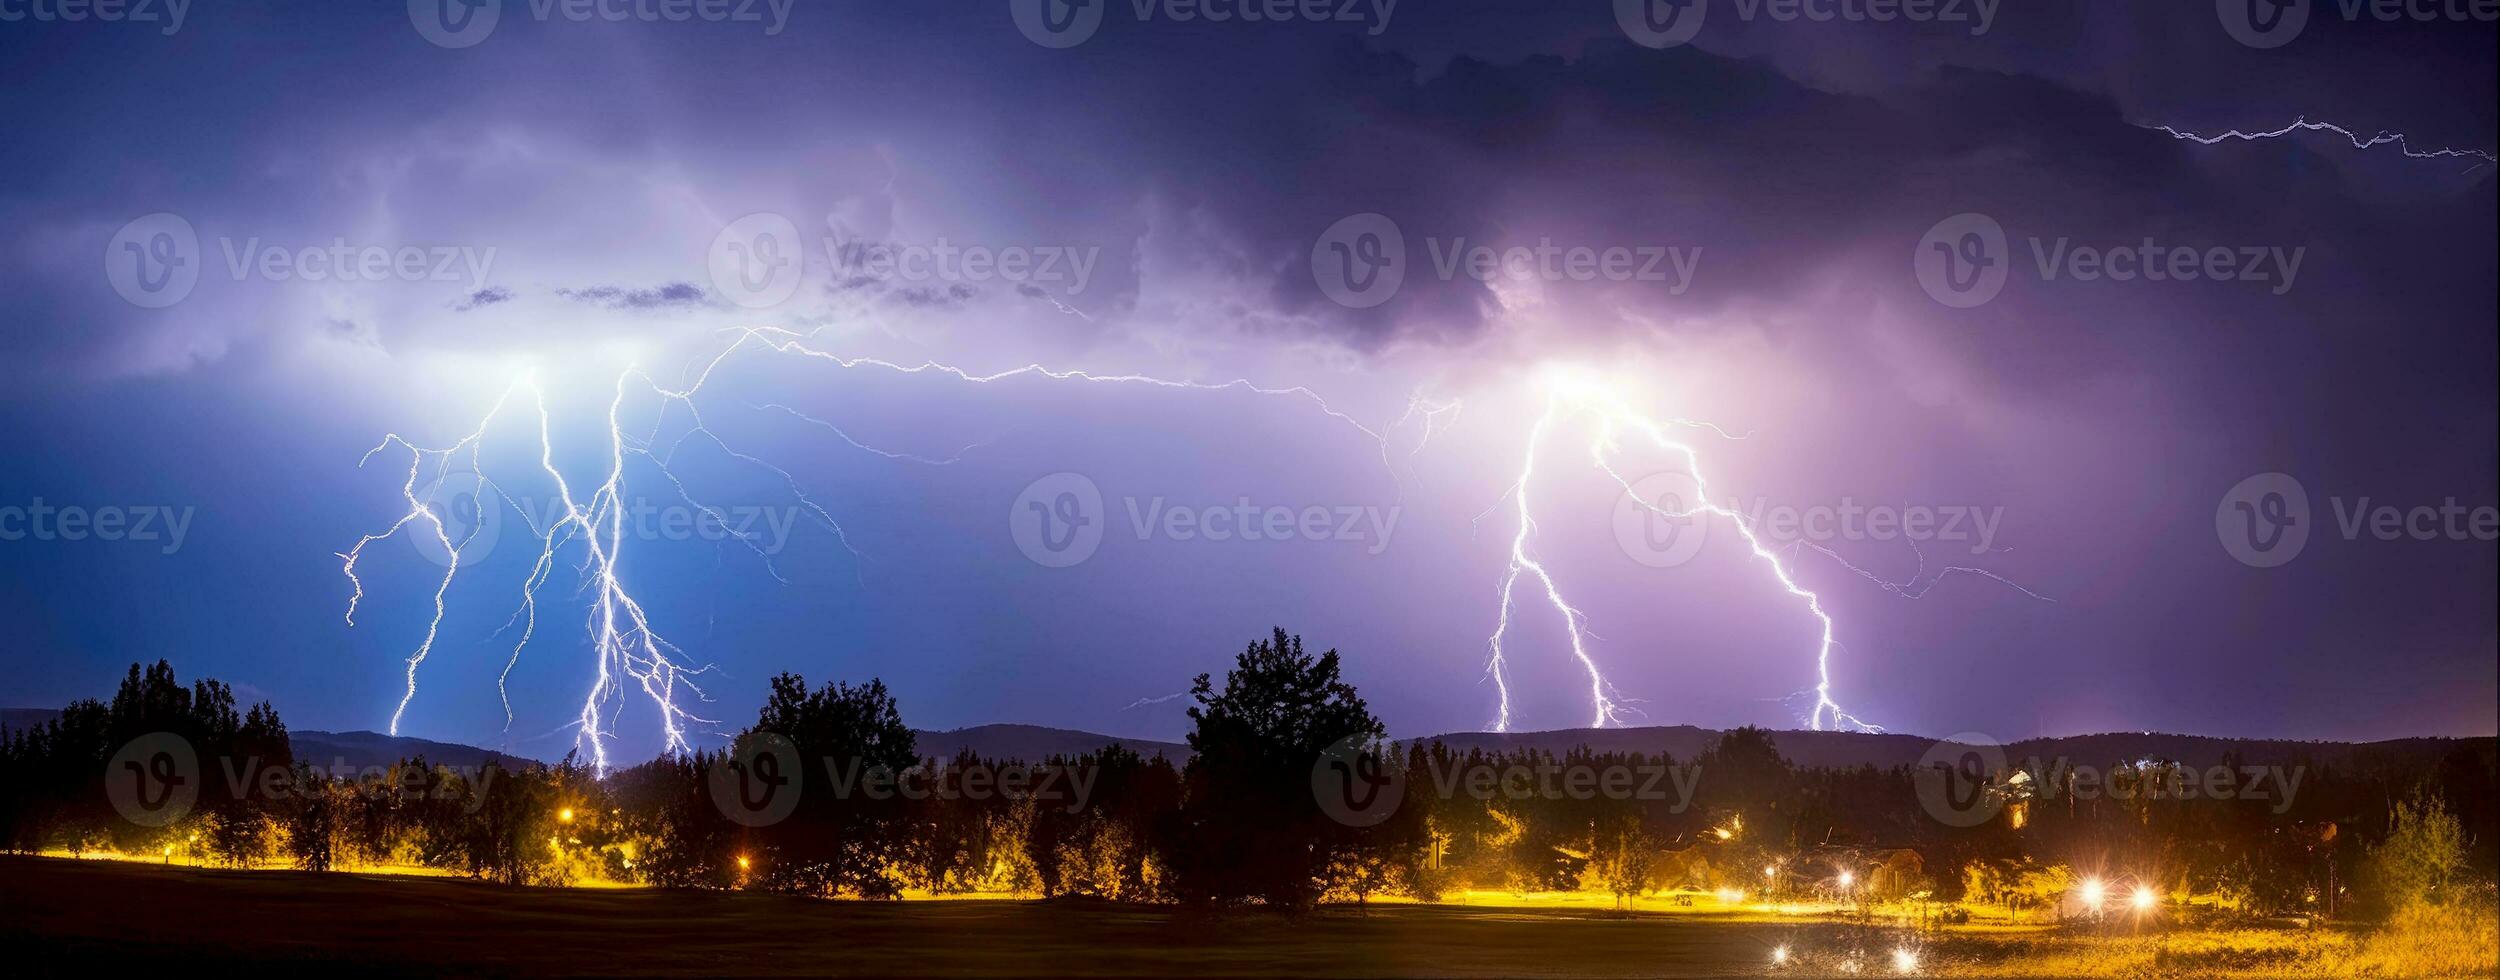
(1250, 827)
(848, 833)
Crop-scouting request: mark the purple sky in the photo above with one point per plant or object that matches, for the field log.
(1772, 185)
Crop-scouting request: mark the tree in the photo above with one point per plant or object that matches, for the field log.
(1250, 825)
(852, 838)
(2424, 851)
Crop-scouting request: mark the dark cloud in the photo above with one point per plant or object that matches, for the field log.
(486, 297)
(1795, 166)
(675, 295)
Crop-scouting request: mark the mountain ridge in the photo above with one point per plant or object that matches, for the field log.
(1806, 749)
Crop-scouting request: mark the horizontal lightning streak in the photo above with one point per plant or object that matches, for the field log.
(2358, 141)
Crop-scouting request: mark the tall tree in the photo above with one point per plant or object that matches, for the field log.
(1250, 825)
(848, 835)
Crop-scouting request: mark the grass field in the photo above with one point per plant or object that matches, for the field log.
(90, 916)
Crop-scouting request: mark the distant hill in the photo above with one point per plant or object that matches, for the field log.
(352, 750)
(1034, 743)
(1831, 750)
(1823, 750)
(363, 750)
(1834, 750)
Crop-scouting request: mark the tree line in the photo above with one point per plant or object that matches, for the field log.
(1291, 797)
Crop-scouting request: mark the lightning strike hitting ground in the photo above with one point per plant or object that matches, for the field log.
(627, 649)
(630, 653)
(1571, 394)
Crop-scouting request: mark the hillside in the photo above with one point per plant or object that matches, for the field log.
(1807, 749)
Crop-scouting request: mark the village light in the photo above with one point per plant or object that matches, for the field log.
(2144, 899)
(1904, 961)
(2093, 893)
(565, 815)
(1848, 880)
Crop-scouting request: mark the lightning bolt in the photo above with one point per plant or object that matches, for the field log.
(1573, 394)
(2358, 141)
(629, 653)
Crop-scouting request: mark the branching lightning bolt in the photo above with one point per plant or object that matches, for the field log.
(628, 649)
(1573, 394)
(631, 654)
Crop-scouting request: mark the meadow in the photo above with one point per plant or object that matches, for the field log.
(67, 916)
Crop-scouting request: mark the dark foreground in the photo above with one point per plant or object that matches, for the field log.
(102, 918)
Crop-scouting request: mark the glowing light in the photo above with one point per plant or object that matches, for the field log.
(1904, 961)
(2092, 893)
(1779, 956)
(1848, 879)
(2144, 899)
(1731, 896)
(564, 815)
(1771, 871)
(743, 863)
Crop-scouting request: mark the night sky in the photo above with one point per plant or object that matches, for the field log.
(1199, 167)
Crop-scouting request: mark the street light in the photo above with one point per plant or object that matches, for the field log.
(2144, 899)
(2093, 893)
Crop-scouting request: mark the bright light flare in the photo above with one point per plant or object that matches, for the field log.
(1904, 960)
(2092, 893)
(1779, 956)
(2144, 900)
